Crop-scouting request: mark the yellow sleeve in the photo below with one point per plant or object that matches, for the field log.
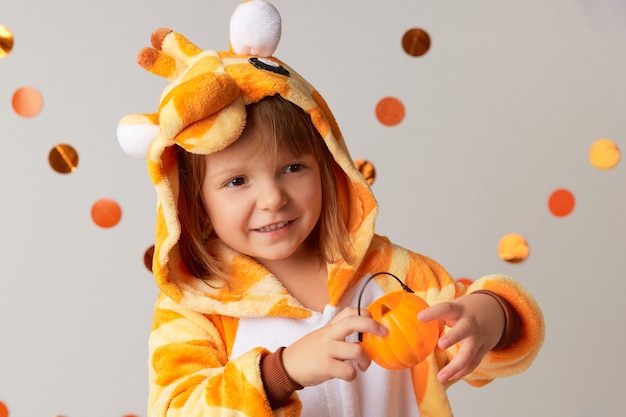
(191, 374)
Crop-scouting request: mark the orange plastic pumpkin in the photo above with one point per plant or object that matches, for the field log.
(409, 341)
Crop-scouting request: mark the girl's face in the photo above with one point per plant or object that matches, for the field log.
(261, 204)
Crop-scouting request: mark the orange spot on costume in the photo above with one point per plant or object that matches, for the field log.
(207, 343)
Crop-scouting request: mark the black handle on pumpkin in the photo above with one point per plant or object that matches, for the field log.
(358, 306)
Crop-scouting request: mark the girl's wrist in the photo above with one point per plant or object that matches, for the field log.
(277, 383)
(512, 322)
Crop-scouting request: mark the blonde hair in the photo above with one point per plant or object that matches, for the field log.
(289, 128)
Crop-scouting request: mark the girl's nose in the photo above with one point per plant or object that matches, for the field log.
(271, 196)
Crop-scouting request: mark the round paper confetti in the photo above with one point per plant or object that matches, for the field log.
(4, 410)
(561, 202)
(27, 102)
(390, 111)
(6, 42)
(106, 213)
(464, 281)
(63, 159)
(147, 257)
(416, 42)
(604, 154)
(513, 248)
(367, 169)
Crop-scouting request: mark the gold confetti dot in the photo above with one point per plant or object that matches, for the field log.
(63, 159)
(367, 170)
(513, 248)
(604, 154)
(6, 41)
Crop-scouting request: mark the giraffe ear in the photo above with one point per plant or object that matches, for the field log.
(135, 133)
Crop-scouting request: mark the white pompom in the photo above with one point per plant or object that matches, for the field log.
(255, 29)
(135, 139)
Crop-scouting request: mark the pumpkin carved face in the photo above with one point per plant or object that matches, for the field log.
(409, 341)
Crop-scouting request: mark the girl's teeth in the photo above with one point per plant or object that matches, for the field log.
(273, 227)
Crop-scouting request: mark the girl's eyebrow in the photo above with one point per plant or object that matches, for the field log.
(226, 172)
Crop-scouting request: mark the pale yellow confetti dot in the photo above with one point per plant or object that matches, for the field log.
(604, 154)
(513, 248)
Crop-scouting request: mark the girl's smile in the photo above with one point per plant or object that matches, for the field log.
(274, 227)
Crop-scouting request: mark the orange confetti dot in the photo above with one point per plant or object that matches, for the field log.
(27, 102)
(390, 111)
(561, 202)
(106, 213)
(513, 248)
(4, 410)
(464, 281)
(604, 154)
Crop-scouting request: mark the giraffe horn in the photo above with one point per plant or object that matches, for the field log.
(159, 63)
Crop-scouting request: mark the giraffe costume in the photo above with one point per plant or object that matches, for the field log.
(207, 343)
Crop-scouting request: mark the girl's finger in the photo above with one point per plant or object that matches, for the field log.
(460, 331)
(359, 324)
(441, 311)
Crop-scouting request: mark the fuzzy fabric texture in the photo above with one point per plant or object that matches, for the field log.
(203, 110)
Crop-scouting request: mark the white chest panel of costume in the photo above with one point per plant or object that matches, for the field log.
(376, 392)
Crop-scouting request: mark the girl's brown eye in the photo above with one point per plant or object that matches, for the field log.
(235, 182)
(294, 168)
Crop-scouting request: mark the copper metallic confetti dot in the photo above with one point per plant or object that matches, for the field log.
(604, 154)
(367, 170)
(513, 248)
(106, 213)
(147, 257)
(416, 42)
(561, 202)
(390, 111)
(27, 102)
(63, 159)
(6, 41)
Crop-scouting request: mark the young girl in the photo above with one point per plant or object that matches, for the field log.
(265, 235)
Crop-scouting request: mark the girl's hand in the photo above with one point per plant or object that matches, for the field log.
(476, 321)
(324, 353)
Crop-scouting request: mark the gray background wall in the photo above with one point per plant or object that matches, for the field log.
(500, 112)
